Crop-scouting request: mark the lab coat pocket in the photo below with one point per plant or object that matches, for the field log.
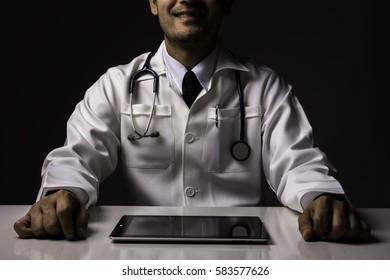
(147, 152)
(223, 129)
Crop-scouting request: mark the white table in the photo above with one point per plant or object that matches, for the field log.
(281, 223)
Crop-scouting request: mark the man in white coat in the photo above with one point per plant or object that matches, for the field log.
(179, 154)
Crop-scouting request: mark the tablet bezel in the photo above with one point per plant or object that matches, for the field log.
(117, 234)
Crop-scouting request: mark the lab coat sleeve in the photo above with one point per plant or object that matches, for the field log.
(295, 169)
(89, 154)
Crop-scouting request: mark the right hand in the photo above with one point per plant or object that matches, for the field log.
(54, 216)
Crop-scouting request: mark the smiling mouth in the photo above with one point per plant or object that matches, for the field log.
(190, 14)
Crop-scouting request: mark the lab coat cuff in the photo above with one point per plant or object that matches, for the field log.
(79, 193)
(307, 198)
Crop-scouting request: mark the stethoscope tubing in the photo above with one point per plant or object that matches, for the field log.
(240, 149)
(242, 106)
(145, 70)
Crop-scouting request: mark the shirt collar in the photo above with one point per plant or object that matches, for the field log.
(203, 70)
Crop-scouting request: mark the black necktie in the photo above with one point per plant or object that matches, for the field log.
(191, 88)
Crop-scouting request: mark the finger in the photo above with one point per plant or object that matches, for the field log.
(322, 215)
(365, 231)
(306, 226)
(51, 223)
(37, 223)
(355, 227)
(81, 223)
(339, 223)
(23, 227)
(64, 211)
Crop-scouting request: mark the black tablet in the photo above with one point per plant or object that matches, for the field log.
(190, 229)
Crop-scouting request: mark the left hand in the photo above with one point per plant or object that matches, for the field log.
(330, 218)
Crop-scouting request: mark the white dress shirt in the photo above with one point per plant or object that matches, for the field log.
(203, 70)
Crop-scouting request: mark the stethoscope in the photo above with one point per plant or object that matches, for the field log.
(240, 149)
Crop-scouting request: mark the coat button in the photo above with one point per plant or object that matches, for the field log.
(190, 191)
(190, 137)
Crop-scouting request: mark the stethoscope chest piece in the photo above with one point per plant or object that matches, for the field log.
(240, 150)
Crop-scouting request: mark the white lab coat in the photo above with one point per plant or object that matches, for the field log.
(190, 163)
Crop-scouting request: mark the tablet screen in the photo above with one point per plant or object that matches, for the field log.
(216, 229)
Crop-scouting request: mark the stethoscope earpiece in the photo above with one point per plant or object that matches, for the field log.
(155, 134)
(132, 137)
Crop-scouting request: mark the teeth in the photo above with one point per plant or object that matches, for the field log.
(185, 15)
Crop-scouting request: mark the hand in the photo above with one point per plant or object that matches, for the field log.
(330, 218)
(56, 215)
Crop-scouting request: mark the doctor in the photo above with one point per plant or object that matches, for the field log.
(182, 154)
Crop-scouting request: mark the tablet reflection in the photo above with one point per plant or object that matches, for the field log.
(137, 251)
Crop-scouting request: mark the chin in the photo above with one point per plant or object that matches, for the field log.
(191, 37)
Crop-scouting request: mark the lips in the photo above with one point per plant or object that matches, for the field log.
(189, 13)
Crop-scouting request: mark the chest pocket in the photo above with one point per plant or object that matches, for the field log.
(217, 154)
(148, 152)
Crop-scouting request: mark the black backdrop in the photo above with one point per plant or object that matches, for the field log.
(334, 53)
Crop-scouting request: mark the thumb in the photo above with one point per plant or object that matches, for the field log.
(23, 227)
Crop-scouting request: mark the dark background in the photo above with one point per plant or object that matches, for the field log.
(334, 53)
